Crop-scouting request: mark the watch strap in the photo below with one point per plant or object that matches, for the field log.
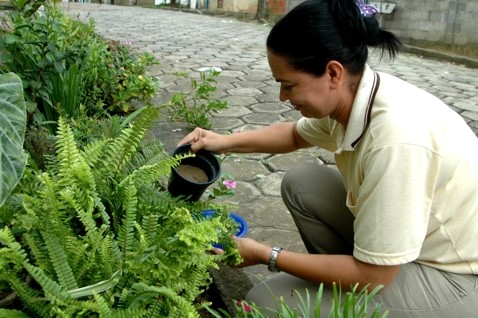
(273, 259)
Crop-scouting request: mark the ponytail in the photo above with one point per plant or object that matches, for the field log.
(385, 40)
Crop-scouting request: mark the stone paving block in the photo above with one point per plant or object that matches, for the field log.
(270, 184)
(284, 162)
(250, 84)
(226, 123)
(244, 91)
(266, 212)
(472, 115)
(233, 110)
(245, 192)
(291, 115)
(240, 100)
(244, 169)
(233, 73)
(276, 107)
(257, 76)
(262, 118)
(465, 104)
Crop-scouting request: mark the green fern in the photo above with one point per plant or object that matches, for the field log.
(12, 248)
(25, 292)
(126, 145)
(126, 240)
(100, 224)
(53, 291)
(10, 313)
(59, 260)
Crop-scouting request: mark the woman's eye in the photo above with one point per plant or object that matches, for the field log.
(287, 87)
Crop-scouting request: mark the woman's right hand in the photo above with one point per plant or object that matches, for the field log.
(204, 139)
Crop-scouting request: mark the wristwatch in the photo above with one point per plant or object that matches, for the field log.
(273, 259)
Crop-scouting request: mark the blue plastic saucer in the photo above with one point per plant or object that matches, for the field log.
(241, 224)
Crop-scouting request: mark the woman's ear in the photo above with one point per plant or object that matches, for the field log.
(335, 72)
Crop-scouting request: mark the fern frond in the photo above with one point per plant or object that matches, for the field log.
(150, 227)
(126, 234)
(175, 304)
(83, 212)
(37, 249)
(11, 313)
(93, 151)
(67, 152)
(75, 173)
(13, 253)
(59, 260)
(142, 243)
(102, 210)
(53, 291)
(49, 209)
(110, 255)
(152, 151)
(149, 174)
(30, 297)
(103, 309)
(133, 312)
(122, 149)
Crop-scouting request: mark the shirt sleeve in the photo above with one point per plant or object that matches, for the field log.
(318, 132)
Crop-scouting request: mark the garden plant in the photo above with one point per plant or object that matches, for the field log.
(96, 233)
(87, 226)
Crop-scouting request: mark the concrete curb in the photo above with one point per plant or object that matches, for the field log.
(441, 56)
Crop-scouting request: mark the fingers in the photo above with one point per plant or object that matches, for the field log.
(193, 138)
(217, 250)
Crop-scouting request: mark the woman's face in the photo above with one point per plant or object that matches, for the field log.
(310, 94)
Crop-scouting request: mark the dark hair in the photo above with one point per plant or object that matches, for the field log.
(318, 31)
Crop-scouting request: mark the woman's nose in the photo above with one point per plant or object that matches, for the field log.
(283, 95)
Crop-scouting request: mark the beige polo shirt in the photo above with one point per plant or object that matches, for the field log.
(410, 168)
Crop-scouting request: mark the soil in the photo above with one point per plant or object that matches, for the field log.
(192, 173)
(213, 296)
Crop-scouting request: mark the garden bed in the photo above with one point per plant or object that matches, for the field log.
(229, 285)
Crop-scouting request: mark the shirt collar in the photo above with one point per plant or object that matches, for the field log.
(361, 109)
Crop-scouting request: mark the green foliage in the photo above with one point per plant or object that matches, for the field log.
(67, 69)
(195, 106)
(96, 234)
(351, 304)
(12, 133)
(27, 7)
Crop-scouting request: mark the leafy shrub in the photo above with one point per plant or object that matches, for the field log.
(195, 106)
(97, 234)
(67, 69)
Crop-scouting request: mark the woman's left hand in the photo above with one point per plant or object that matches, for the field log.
(252, 252)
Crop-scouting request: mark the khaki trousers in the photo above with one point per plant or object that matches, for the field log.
(315, 196)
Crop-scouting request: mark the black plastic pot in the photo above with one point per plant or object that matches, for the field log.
(206, 161)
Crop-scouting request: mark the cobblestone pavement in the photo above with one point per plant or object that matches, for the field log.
(185, 42)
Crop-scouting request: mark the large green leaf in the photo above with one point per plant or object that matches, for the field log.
(12, 133)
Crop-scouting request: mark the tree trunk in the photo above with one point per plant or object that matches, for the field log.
(262, 10)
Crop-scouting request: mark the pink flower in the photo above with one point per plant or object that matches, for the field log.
(243, 305)
(230, 184)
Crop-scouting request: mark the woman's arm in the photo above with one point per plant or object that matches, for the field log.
(344, 270)
(277, 138)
